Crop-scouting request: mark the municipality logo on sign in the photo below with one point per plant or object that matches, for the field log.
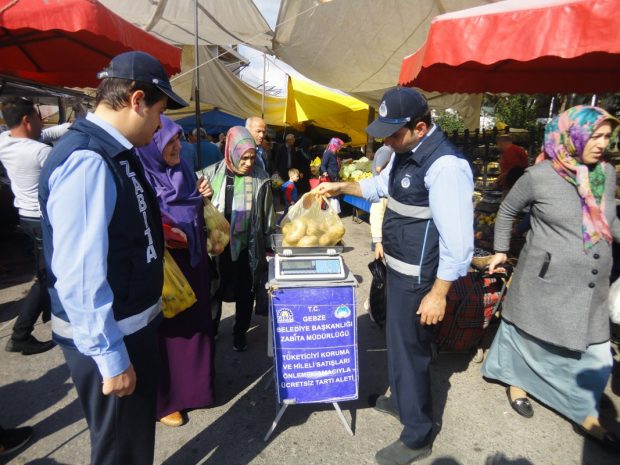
(342, 312)
(383, 110)
(285, 315)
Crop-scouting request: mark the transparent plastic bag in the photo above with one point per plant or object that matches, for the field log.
(308, 225)
(218, 229)
(177, 295)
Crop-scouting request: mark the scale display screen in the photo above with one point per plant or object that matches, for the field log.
(310, 268)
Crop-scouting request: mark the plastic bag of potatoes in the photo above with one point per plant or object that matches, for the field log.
(308, 225)
(218, 229)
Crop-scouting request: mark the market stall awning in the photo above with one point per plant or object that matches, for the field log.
(307, 102)
(521, 46)
(357, 46)
(66, 42)
(225, 23)
(220, 88)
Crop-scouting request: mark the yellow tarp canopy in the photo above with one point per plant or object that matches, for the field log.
(307, 102)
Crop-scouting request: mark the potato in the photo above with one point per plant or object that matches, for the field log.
(286, 243)
(325, 240)
(336, 230)
(335, 233)
(308, 241)
(324, 226)
(214, 235)
(219, 238)
(313, 228)
(211, 223)
(286, 229)
(298, 230)
(209, 245)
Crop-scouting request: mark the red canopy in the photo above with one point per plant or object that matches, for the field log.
(521, 46)
(66, 42)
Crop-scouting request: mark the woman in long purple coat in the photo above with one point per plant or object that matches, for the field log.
(186, 341)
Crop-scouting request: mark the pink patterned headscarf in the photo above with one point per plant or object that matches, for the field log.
(334, 145)
(238, 141)
(565, 139)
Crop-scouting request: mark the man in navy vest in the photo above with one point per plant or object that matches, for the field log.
(103, 246)
(427, 244)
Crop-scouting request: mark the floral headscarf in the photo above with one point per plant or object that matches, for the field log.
(565, 139)
(335, 145)
(238, 141)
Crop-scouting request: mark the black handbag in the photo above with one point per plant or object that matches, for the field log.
(378, 292)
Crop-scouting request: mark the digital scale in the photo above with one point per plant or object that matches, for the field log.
(309, 267)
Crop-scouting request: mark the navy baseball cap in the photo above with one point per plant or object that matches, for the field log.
(142, 67)
(398, 106)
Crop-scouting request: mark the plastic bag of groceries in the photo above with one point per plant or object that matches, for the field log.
(308, 225)
(276, 181)
(378, 293)
(218, 229)
(177, 295)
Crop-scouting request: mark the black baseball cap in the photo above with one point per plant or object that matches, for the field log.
(398, 106)
(142, 67)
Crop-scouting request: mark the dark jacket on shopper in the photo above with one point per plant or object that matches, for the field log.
(262, 217)
(329, 165)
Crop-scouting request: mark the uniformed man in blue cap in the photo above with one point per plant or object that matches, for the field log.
(103, 245)
(427, 243)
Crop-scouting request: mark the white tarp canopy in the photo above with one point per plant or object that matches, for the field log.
(220, 88)
(228, 22)
(357, 46)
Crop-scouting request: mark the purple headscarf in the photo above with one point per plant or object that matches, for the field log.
(175, 187)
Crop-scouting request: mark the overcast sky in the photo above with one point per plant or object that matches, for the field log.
(269, 10)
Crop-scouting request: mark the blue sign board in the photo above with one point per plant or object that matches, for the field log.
(315, 343)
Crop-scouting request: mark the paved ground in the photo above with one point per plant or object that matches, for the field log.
(476, 425)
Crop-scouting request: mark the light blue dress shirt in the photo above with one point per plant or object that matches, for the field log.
(80, 207)
(450, 183)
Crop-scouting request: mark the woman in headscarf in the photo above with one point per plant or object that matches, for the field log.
(330, 166)
(330, 163)
(242, 192)
(186, 341)
(553, 342)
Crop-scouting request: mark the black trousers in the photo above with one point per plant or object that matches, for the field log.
(409, 358)
(236, 286)
(122, 429)
(37, 301)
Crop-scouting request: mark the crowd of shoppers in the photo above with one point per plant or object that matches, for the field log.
(116, 191)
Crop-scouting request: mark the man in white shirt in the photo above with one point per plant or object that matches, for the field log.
(23, 153)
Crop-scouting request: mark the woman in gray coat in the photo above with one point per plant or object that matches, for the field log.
(553, 342)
